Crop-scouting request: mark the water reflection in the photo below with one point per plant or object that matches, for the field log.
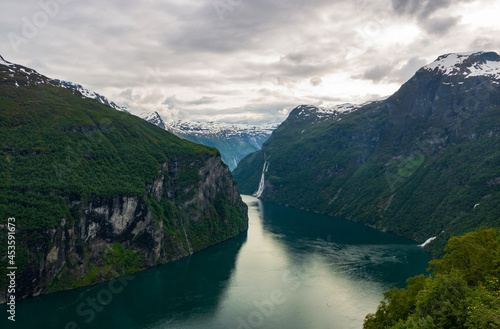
(331, 272)
(293, 269)
(178, 291)
(355, 249)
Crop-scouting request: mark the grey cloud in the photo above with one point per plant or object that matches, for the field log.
(126, 94)
(390, 72)
(484, 43)
(432, 6)
(409, 69)
(202, 101)
(285, 81)
(378, 72)
(154, 96)
(329, 99)
(296, 58)
(405, 6)
(425, 10)
(441, 26)
(316, 81)
(422, 8)
(173, 101)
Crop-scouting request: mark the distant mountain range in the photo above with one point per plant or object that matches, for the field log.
(425, 162)
(234, 141)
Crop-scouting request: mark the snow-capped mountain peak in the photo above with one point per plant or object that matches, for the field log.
(153, 117)
(317, 114)
(233, 140)
(19, 75)
(90, 94)
(326, 111)
(218, 128)
(467, 64)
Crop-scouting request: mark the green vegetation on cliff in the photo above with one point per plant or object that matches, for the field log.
(99, 193)
(462, 291)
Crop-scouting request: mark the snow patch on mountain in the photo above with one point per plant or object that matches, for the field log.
(336, 110)
(214, 129)
(23, 76)
(86, 93)
(153, 117)
(317, 113)
(468, 65)
(488, 68)
(448, 64)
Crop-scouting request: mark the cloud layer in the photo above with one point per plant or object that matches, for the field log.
(241, 60)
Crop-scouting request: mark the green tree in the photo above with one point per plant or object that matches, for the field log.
(462, 291)
(476, 255)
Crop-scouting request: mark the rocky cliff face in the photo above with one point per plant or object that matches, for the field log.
(99, 193)
(85, 250)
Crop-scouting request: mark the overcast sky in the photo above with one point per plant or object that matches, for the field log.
(241, 60)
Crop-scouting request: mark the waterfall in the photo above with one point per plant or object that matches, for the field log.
(262, 181)
(429, 240)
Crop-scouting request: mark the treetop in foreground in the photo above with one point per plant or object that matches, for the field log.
(462, 290)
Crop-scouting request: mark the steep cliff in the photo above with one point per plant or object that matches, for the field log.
(98, 193)
(424, 162)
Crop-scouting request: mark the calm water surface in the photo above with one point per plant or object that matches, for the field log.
(293, 269)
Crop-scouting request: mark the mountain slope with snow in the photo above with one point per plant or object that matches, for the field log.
(468, 65)
(154, 118)
(90, 94)
(423, 161)
(22, 76)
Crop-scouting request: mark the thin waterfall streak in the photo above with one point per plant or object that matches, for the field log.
(429, 240)
(259, 192)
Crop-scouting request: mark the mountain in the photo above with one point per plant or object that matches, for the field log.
(234, 141)
(423, 163)
(98, 193)
(85, 93)
(313, 114)
(154, 118)
(90, 94)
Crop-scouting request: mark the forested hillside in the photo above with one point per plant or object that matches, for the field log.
(462, 290)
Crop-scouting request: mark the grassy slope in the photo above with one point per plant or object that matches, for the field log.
(56, 146)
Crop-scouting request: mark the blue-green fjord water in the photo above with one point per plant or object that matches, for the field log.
(292, 269)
